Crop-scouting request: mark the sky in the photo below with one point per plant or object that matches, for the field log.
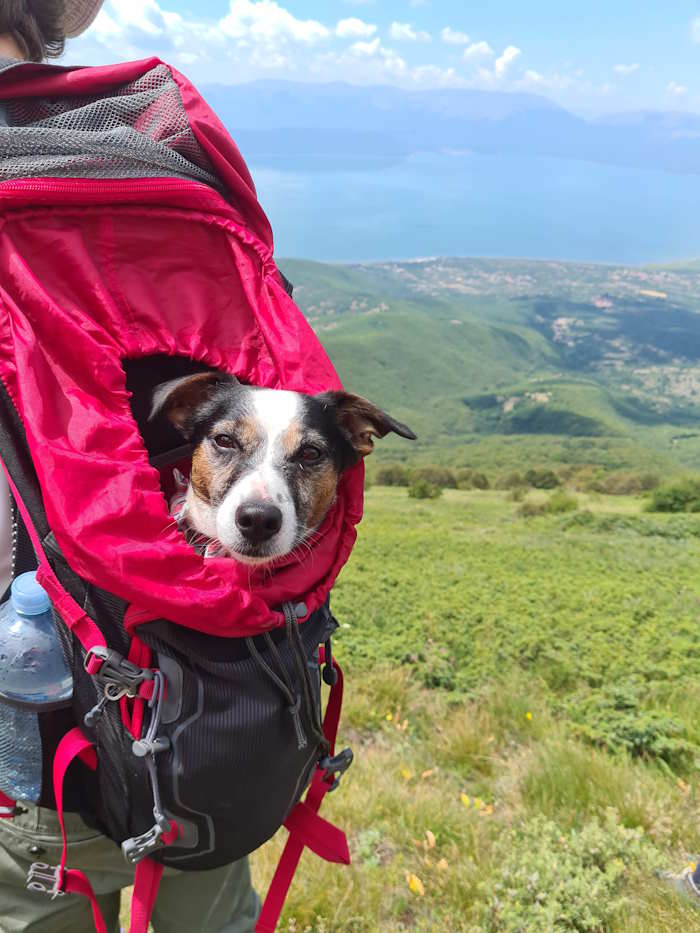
(597, 57)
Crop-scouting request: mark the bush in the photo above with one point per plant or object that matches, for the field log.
(512, 480)
(561, 501)
(683, 496)
(435, 476)
(616, 719)
(553, 878)
(557, 503)
(542, 479)
(392, 474)
(422, 489)
(625, 484)
(471, 479)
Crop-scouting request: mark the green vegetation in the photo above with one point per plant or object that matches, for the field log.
(422, 489)
(683, 496)
(505, 365)
(522, 699)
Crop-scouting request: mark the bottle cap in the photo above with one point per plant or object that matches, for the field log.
(28, 596)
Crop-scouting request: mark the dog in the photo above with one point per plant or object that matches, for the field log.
(265, 462)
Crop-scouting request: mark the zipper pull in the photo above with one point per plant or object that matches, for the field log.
(94, 714)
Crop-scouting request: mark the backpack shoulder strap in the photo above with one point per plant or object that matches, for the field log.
(306, 827)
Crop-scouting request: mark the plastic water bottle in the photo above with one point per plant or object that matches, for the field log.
(33, 678)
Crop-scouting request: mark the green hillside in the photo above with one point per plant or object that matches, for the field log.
(499, 363)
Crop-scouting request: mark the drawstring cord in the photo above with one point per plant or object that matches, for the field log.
(284, 683)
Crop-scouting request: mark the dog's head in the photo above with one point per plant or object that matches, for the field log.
(266, 462)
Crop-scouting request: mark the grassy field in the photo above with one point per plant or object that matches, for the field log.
(522, 699)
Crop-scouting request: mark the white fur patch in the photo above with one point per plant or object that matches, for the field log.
(274, 410)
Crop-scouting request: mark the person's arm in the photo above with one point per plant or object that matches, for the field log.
(5, 535)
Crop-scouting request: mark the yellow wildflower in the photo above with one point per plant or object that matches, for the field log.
(465, 800)
(528, 716)
(406, 774)
(415, 884)
(478, 803)
(389, 717)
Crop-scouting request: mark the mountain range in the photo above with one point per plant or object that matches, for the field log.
(273, 119)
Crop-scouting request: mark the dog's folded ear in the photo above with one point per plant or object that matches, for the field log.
(361, 420)
(180, 399)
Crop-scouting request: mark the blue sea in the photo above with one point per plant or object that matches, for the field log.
(464, 204)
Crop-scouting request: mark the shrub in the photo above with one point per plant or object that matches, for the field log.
(557, 503)
(551, 878)
(512, 480)
(422, 489)
(435, 476)
(561, 501)
(471, 479)
(625, 484)
(392, 474)
(530, 509)
(542, 479)
(683, 496)
(616, 719)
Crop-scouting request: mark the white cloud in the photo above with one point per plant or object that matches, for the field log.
(404, 32)
(365, 48)
(533, 78)
(478, 50)
(674, 89)
(268, 21)
(626, 70)
(353, 28)
(503, 63)
(454, 36)
(434, 76)
(262, 38)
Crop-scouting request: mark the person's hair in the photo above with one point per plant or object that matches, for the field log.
(36, 26)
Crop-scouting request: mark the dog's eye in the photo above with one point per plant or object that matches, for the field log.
(310, 454)
(224, 440)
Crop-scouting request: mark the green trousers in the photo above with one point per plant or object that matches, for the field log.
(219, 901)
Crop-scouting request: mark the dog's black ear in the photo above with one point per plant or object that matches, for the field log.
(361, 420)
(179, 399)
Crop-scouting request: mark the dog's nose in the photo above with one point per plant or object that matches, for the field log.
(258, 521)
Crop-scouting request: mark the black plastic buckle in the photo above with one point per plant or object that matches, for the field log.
(334, 768)
(116, 672)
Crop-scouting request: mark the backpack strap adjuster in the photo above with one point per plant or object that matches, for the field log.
(40, 875)
(334, 768)
(138, 847)
(108, 668)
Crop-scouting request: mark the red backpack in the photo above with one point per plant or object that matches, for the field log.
(132, 242)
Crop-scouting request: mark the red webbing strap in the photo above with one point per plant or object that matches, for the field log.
(7, 807)
(72, 614)
(74, 745)
(306, 827)
(146, 880)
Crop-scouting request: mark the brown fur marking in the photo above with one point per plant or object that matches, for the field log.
(291, 439)
(322, 493)
(202, 475)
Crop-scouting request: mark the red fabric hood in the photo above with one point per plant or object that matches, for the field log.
(93, 272)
